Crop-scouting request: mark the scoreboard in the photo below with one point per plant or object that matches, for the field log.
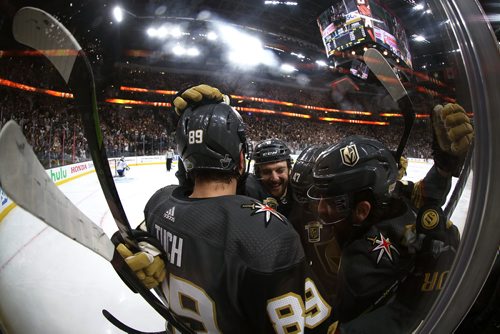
(347, 23)
(343, 38)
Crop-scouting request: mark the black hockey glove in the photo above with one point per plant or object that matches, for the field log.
(197, 95)
(436, 243)
(432, 225)
(452, 137)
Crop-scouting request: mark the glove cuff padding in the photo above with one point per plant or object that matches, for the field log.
(446, 161)
(433, 224)
(433, 260)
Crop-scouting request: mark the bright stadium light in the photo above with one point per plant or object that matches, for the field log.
(298, 55)
(151, 32)
(178, 50)
(287, 68)
(161, 32)
(244, 50)
(212, 36)
(118, 14)
(418, 7)
(419, 38)
(193, 52)
(243, 59)
(165, 31)
(321, 63)
(176, 32)
(287, 3)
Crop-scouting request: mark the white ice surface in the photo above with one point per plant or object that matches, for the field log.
(50, 284)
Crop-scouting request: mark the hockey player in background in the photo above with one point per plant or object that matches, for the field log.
(270, 181)
(237, 264)
(318, 239)
(121, 167)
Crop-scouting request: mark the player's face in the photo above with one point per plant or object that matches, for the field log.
(274, 177)
(333, 211)
(327, 210)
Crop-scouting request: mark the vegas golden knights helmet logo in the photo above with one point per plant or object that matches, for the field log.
(313, 231)
(349, 155)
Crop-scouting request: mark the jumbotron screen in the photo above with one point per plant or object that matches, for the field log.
(347, 23)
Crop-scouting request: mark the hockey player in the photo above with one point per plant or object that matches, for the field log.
(353, 181)
(391, 268)
(318, 240)
(272, 166)
(121, 167)
(234, 265)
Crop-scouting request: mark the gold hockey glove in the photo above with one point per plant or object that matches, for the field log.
(147, 264)
(453, 129)
(196, 95)
(403, 165)
(453, 134)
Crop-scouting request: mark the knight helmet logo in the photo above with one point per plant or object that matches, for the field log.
(224, 162)
(349, 155)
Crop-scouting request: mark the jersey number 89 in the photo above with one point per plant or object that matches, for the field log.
(288, 312)
(195, 136)
(289, 315)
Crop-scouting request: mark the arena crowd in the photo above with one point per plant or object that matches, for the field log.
(53, 126)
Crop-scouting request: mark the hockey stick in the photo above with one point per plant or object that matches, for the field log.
(384, 73)
(39, 30)
(120, 325)
(460, 185)
(26, 182)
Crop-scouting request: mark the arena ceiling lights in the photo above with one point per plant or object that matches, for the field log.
(321, 63)
(165, 31)
(286, 3)
(287, 68)
(118, 14)
(419, 38)
(244, 50)
(180, 50)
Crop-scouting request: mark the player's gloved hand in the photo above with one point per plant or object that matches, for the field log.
(432, 224)
(147, 264)
(403, 165)
(437, 241)
(453, 134)
(197, 95)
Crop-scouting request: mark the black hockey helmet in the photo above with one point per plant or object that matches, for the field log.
(301, 177)
(355, 164)
(270, 150)
(211, 137)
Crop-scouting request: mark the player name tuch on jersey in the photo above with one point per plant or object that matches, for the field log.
(172, 245)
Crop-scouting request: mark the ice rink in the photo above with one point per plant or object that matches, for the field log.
(51, 284)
